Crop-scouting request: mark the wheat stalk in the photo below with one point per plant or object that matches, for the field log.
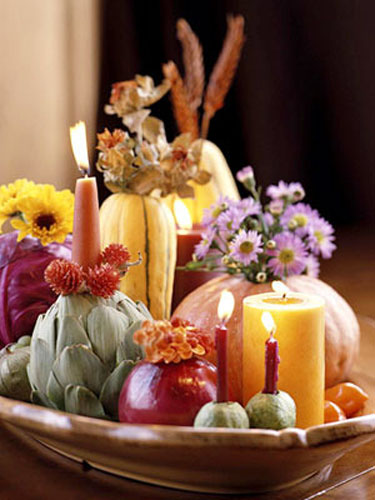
(224, 70)
(192, 55)
(186, 117)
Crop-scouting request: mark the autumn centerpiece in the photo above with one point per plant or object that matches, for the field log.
(43, 219)
(254, 243)
(173, 382)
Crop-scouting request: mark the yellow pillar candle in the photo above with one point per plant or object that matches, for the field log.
(299, 320)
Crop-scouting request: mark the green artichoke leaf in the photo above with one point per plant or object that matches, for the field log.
(40, 399)
(41, 361)
(110, 393)
(143, 310)
(14, 382)
(130, 309)
(55, 391)
(70, 332)
(127, 348)
(105, 327)
(46, 328)
(76, 304)
(78, 365)
(82, 401)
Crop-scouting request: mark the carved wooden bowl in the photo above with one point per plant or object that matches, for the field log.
(212, 460)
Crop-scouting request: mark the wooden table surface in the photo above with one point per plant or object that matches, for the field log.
(30, 471)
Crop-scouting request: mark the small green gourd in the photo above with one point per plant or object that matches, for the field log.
(271, 411)
(227, 414)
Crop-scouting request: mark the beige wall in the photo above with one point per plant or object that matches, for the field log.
(48, 80)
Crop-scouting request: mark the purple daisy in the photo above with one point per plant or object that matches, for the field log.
(293, 191)
(246, 246)
(245, 174)
(320, 239)
(212, 213)
(230, 220)
(249, 206)
(312, 266)
(289, 256)
(268, 219)
(203, 247)
(298, 217)
(276, 207)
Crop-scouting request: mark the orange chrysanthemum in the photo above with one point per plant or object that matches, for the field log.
(103, 280)
(172, 342)
(64, 277)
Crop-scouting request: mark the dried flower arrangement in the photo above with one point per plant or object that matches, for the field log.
(283, 238)
(140, 160)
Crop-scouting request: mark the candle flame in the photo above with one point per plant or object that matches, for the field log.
(78, 140)
(226, 305)
(182, 215)
(268, 322)
(280, 287)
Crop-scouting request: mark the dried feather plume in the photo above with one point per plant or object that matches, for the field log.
(187, 94)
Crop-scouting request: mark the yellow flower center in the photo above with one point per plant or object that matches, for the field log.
(301, 220)
(319, 236)
(286, 256)
(246, 247)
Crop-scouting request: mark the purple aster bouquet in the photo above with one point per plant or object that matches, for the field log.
(263, 242)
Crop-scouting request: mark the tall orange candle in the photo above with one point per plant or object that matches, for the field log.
(299, 320)
(86, 229)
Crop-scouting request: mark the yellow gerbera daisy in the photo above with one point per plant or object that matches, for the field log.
(47, 214)
(10, 197)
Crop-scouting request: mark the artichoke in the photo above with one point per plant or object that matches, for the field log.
(14, 358)
(82, 350)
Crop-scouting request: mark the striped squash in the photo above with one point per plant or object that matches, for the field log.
(221, 183)
(143, 224)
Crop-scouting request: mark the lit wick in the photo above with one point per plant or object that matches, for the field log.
(280, 287)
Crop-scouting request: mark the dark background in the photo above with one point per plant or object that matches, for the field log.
(302, 104)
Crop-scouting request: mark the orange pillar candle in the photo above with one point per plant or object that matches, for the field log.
(86, 229)
(299, 320)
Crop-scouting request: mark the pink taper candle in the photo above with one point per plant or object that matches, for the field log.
(86, 232)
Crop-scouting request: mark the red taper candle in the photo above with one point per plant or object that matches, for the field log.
(272, 361)
(221, 344)
(224, 311)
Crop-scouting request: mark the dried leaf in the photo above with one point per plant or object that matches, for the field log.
(202, 177)
(223, 73)
(193, 62)
(186, 118)
(185, 191)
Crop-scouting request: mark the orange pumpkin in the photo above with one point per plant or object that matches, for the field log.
(342, 329)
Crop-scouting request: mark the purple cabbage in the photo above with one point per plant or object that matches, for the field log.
(23, 292)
